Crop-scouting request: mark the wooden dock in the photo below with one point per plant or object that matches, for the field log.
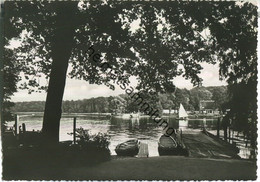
(201, 145)
(143, 150)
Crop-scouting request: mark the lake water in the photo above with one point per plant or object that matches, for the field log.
(120, 130)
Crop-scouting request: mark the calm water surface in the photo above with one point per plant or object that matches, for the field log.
(120, 130)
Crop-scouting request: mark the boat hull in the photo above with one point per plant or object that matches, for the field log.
(170, 146)
(130, 153)
(128, 148)
(168, 151)
(127, 116)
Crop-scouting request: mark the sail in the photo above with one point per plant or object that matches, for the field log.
(182, 112)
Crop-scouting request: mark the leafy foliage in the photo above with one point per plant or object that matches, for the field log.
(243, 108)
(88, 141)
(153, 50)
(11, 77)
(124, 103)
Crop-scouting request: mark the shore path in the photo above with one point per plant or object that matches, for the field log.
(201, 145)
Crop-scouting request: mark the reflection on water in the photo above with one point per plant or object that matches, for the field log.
(120, 130)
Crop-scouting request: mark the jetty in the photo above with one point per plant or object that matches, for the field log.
(143, 150)
(201, 145)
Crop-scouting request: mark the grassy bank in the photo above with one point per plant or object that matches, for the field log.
(167, 168)
(154, 168)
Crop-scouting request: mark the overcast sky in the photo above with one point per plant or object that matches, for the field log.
(78, 89)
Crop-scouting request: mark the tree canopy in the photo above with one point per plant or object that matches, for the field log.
(170, 39)
(167, 36)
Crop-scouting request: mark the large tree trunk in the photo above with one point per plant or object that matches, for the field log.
(61, 45)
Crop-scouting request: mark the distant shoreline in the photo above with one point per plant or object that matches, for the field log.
(40, 114)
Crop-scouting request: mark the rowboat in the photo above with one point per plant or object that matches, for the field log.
(128, 148)
(168, 145)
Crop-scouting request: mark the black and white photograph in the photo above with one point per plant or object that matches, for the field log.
(128, 90)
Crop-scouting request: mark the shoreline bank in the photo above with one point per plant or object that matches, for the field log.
(152, 168)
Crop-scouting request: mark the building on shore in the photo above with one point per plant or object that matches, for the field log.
(208, 107)
(169, 111)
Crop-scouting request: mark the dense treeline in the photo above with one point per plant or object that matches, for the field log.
(122, 103)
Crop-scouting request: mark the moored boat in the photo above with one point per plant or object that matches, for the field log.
(127, 115)
(128, 148)
(168, 145)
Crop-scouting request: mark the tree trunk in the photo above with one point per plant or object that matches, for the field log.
(61, 46)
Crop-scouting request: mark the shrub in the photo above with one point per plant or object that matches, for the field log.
(91, 147)
(87, 140)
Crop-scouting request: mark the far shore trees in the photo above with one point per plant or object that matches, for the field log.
(170, 39)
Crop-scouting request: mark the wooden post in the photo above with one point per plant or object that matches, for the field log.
(232, 136)
(2, 24)
(15, 123)
(225, 133)
(204, 124)
(23, 128)
(181, 134)
(218, 123)
(229, 134)
(74, 130)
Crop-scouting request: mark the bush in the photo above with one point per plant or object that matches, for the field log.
(96, 141)
(91, 147)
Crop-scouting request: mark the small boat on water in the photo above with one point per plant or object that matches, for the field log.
(127, 115)
(168, 145)
(182, 114)
(128, 148)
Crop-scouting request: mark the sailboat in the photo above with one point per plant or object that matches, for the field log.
(183, 118)
(182, 113)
